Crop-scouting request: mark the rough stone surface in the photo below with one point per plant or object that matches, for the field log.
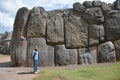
(18, 45)
(87, 4)
(112, 25)
(37, 22)
(46, 52)
(55, 29)
(96, 3)
(78, 7)
(76, 31)
(116, 5)
(105, 7)
(65, 56)
(87, 57)
(106, 52)
(94, 15)
(117, 49)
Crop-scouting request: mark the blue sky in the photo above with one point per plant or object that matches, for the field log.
(8, 9)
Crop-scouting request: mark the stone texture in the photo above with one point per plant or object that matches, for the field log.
(78, 7)
(96, 3)
(94, 15)
(18, 45)
(116, 5)
(105, 7)
(112, 25)
(96, 34)
(46, 52)
(117, 49)
(106, 52)
(65, 56)
(87, 57)
(37, 22)
(87, 4)
(76, 31)
(55, 28)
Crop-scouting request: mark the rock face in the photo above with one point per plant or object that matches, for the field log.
(37, 22)
(106, 52)
(65, 56)
(55, 29)
(79, 35)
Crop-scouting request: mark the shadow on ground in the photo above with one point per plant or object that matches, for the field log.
(21, 73)
(6, 64)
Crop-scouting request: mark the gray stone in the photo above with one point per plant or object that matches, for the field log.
(55, 29)
(65, 56)
(37, 22)
(18, 46)
(112, 25)
(87, 4)
(94, 15)
(96, 3)
(96, 32)
(105, 7)
(78, 7)
(117, 49)
(46, 52)
(106, 52)
(116, 5)
(87, 57)
(76, 31)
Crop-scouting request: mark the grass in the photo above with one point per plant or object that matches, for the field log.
(2, 55)
(95, 72)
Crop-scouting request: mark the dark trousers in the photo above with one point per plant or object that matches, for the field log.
(35, 65)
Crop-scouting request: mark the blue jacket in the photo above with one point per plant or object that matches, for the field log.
(35, 55)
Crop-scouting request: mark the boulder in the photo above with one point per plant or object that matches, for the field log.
(116, 5)
(78, 7)
(87, 56)
(112, 25)
(94, 15)
(87, 4)
(65, 56)
(37, 22)
(117, 49)
(55, 29)
(76, 31)
(46, 52)
(18, 46)
(96, 3)
(105, 7)
(106, 52)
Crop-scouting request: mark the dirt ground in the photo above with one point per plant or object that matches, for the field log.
(14, 73)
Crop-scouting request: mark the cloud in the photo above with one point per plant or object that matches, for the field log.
(8, 8)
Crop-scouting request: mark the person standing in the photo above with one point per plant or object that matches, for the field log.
(35, 56)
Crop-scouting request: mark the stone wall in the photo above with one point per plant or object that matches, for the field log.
(88, 33)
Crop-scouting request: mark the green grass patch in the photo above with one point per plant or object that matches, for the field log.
(2, 55)
(98, 72)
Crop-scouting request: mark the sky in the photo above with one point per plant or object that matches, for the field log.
(9, 8)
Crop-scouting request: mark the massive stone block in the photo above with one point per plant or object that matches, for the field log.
(55, 28)
(117, 49)
(87, 57)
(46, 52)
(76, 30)
(106, 52)
(37, 22)
(65, 56)
(112, 25)
(78, 7)
(116, 5)
(96, 34)
(18, 44)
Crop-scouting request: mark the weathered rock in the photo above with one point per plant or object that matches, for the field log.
(76, 31)
(46, 52)
(78, 7)
(5, 49)
(37, 22)
(94, 15)
(55, 29)
(116, 5)
(87, 57)
(96, 32)
(87, 4)
(112, 25)
(105, 7)
(117, 49)
(106, 52)
(96, 3)
(18, 46)
(65, 56)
